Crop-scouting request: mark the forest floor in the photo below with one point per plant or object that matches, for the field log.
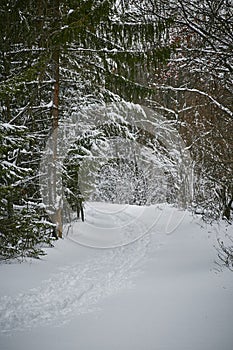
(128, 278)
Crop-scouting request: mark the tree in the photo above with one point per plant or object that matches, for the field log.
(101, 57)
(24, 226)
(129, 154)
(57, 56)
(23, 229)
(194, 89)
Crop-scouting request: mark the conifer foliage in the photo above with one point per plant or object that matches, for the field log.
(57, 56)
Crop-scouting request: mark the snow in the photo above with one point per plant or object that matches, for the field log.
(159, 288)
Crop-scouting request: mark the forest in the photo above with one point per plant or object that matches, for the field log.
(117, 101)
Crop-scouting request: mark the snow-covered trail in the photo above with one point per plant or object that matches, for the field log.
(109, 226)
(161, 292)
(77, 288)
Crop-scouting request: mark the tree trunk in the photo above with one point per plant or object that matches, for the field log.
(55, 123)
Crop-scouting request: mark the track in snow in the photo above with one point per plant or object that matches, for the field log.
(78, 288)
(108, 229)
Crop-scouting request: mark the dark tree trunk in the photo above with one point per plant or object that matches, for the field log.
(55, 115)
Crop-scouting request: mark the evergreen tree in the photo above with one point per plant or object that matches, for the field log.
(56, 57)
(102, 49)
(22, 228)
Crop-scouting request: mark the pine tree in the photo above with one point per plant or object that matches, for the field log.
(105, 53)
(60, 56)
(24, 127)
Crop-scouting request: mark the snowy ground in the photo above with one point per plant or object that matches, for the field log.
(128, 278)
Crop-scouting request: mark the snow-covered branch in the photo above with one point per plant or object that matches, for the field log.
(196, 91)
